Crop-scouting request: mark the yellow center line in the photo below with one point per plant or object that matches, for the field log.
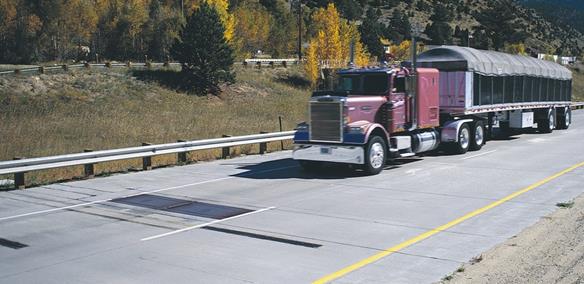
(425, 235)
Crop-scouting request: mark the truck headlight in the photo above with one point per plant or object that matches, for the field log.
(358, 129)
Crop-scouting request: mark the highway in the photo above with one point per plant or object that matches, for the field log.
(260, 219)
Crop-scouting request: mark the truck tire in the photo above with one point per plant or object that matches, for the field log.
(375, 155)
(310, 166)
(477, 136)
(463, 143)
(565, 119)
(547, 125)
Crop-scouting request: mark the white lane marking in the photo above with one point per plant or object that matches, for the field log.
(136, 194)
(206, 224)
(53, 210)
(413, 172)
(478, 155)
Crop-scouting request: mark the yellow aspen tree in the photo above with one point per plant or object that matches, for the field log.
(252, 29)
(312, 64)
(331, 45)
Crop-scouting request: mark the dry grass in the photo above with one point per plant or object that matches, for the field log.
(67, 113)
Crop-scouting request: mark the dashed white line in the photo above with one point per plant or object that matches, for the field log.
(136, 194)
(206, 224)
(478, 155)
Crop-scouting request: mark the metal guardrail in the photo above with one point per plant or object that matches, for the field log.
(270, 61)
(64, 67)
(579, 105)
(89, 159)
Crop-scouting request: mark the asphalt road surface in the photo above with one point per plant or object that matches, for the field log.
(260, 219)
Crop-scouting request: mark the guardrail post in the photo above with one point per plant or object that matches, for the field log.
(226, 151)
(182, 156)
(281, 141)
(89, 169)
(272, 64)
(87, 65)
(19, 181)
(259, 65)
(263, 145)
(244, 64)
(41, 69)
(146, 161)
(129, 64)
(108, 64)
(148, 65)
(16, 71)
(284, 64)
(65, 67)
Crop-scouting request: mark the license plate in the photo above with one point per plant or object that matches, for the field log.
(326, 150)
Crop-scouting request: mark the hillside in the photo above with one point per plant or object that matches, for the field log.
(563, 13)
(538, 33)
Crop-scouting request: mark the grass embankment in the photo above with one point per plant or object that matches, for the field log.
(92, 109)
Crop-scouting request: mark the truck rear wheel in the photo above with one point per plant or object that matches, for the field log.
(375, 155)
(547, 125)
(565, 119)
(477, 136)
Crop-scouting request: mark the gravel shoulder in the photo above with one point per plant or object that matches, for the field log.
(551, 251)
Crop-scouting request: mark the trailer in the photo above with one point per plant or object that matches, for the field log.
(451, 97)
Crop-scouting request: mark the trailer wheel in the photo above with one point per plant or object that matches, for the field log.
(310, 166)
(375, 155)
(464, 140)
(547, 125)
(565, 119)
(477, 136)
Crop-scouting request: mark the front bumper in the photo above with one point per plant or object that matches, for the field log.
(329, 153)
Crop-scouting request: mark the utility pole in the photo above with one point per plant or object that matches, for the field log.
(299, 30)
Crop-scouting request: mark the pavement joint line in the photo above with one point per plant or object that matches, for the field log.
(407, 190)
(478, 155)
(136, 194)
(374, 258)
(206, 224)
(335, 242)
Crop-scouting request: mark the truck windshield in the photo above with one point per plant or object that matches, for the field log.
(363, 84)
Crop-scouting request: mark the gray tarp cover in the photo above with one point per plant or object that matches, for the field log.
(490, 63)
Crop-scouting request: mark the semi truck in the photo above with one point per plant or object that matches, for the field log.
(450, 97)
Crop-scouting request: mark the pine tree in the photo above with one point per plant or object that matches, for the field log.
(371, 31)
(440, 31)
(205, 56)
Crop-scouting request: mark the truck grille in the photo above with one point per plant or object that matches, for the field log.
(326, 121)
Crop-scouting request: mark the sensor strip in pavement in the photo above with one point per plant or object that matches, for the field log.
(136, 194)
(369, 260)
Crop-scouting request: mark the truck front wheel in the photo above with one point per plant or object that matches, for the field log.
(375, 155)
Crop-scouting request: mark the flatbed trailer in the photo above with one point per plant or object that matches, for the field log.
(452, 97)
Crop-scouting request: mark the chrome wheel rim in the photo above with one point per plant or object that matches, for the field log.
(463, 138)
(479, 134)
(552, 122)
(567, 119)
(376, 155)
